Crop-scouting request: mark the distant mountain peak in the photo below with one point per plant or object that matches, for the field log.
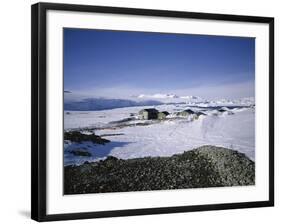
(168, 96)
(158, 96)
(191, 97)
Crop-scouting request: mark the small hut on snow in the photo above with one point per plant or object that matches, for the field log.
(148, 114)
(185, 113)
(162, 115)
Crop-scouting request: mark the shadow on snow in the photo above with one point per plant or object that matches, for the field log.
(97, 151)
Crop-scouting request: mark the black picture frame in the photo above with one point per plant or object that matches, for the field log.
(39, 122)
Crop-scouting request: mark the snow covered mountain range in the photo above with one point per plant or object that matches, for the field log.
(73, 102)
(168, 96)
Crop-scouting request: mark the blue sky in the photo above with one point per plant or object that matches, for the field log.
(120, 63)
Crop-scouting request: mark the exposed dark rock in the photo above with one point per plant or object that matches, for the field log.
(76, 136)
(221, 110)
(111, 158)
(199, 113)
(207, 166)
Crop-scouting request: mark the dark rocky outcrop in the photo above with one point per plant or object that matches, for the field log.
(207, 166)
(76, 136)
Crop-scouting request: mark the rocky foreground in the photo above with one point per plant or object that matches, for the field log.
(207, 166)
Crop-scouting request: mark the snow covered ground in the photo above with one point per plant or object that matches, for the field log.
(234, 128)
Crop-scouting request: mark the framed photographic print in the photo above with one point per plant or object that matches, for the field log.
(139, 111)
